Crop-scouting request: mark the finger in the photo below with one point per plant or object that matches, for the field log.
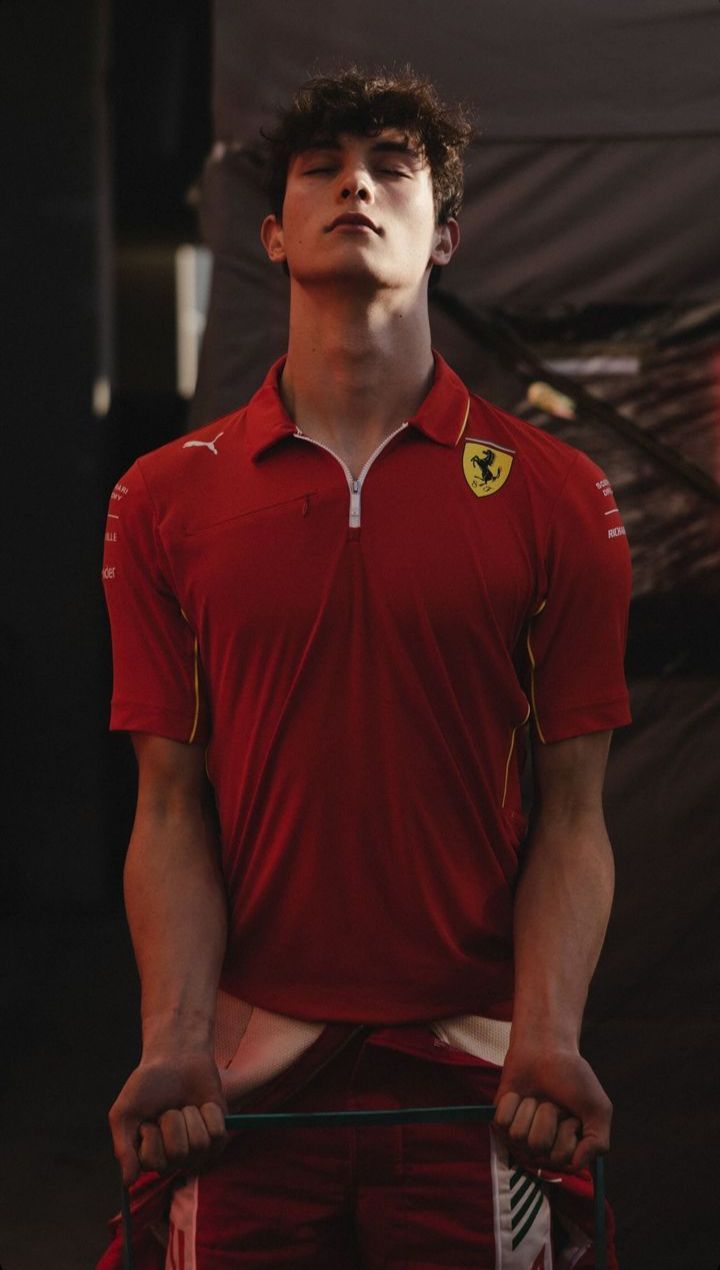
(203, 1150)
(522, 1120)
(174, 1136)
(219, 1137)
(214, 1116)
(568, 1135)
(543, 1130)
(198, 1136)
(152, 1152)
(569, 1131)
(505, 1109)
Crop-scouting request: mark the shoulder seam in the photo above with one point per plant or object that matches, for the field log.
(157, 537)
(575, 457)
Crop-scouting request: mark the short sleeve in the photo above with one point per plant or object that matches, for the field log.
(157, 685)
(575, 641)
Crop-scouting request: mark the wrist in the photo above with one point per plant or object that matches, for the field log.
(545, 1032)
(177, 1031)
(549, 1011)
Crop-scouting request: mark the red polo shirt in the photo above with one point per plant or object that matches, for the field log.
(360, 658)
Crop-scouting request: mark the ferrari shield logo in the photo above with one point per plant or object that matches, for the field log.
(486, 467)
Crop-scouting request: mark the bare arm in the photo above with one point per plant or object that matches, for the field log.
(550, 1101)
(171, 1110)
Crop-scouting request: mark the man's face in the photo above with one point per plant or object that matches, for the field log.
(360, 208)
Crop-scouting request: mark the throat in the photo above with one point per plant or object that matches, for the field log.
(354, 448)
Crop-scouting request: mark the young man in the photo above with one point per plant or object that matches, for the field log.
(342, 604)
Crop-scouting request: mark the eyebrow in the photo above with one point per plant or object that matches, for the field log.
(396, 147)
(385, 146)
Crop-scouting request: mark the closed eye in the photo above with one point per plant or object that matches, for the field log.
(385, 171)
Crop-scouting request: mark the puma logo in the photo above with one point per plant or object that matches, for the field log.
(209, 445)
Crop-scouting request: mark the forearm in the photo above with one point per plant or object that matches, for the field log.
(562, 908)
(549, 1100)
(176, 907)
(171, 1109)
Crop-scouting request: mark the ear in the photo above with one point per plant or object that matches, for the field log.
(272, 239)
(445, 242)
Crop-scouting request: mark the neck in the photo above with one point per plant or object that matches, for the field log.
(356, 368)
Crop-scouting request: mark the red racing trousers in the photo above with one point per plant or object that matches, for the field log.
(408, 1197)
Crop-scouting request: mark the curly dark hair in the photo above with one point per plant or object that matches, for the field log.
(362, 105)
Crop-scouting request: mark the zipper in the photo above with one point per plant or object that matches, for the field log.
(354, 485)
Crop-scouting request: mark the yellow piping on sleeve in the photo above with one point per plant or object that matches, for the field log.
(531, 657)
(464, 422)
(510, 754)
(196, 675)
(196, 684)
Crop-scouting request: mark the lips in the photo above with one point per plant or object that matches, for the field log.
(352, 218)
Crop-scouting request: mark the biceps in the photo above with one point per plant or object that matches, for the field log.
(171, 775)
(569, 774)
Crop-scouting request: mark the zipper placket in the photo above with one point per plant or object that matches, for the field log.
(354, 486)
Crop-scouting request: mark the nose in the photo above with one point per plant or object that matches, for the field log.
(356, 184)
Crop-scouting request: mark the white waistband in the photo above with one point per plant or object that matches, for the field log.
(484, 1038)
(254, 1045)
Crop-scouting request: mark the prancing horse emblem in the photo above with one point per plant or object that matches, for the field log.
(486, 466)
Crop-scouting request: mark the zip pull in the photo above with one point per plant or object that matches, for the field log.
(355, 504)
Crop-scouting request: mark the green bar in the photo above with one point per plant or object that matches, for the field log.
(405, 1115)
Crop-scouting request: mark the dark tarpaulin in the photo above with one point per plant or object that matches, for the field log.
(596, 178)
(569, 68)
(592, 191)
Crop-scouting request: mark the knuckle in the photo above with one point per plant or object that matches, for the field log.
(213, 1118)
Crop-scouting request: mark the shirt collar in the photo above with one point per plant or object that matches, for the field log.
(442, 416)
(267, 419)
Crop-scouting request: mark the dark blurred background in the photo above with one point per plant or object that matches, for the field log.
(585, 297)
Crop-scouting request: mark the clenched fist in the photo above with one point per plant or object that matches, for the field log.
(551, 1104)
(169, 1114)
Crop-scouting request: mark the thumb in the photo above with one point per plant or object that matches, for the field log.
(125, 1136)
(595, 1140)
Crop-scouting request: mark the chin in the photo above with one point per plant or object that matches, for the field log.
(358, 272)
